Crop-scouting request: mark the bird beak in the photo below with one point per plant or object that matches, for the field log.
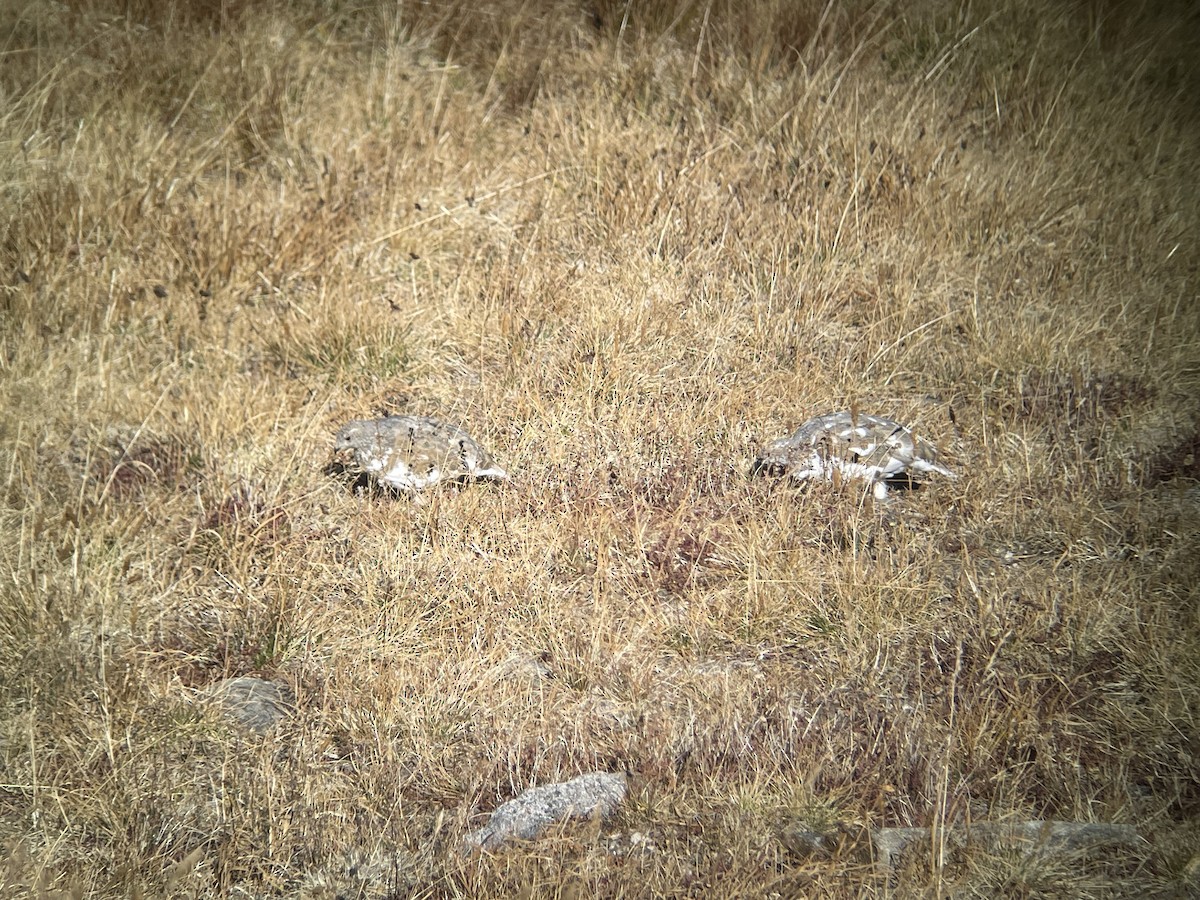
(345, 456)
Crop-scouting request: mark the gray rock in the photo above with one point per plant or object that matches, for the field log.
(527, 816)
(807, 844)
(254, 703)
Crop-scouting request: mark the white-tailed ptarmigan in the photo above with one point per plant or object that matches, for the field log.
(409, 453)
(850, 445)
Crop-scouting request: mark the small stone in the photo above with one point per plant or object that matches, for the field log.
(527, 816)
(806, 844)
(253, 703)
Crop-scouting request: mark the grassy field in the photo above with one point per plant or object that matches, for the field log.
(624, 244)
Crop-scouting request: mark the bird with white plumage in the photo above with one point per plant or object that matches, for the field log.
(851, 445)
(411, 453)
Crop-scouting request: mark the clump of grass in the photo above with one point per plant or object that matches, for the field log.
(625, 246)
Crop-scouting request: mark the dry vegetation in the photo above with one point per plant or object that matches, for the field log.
(623, 244)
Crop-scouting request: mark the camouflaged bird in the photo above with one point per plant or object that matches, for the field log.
(851, 445)
(410, 453)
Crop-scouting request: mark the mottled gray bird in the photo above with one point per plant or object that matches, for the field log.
(850, 445)
(409, 453)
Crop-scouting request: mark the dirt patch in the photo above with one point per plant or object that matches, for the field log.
(126, 472)
(1074, 399)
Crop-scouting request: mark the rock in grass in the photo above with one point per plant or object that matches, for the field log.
(409, 453)
(850, 444)
(527, 816)
(254, 703)
(1026, 837)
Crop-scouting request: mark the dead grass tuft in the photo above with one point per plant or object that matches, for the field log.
(1074, 401)
(624, 244)
(132, 467)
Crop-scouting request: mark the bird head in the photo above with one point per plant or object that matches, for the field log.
(351, 438)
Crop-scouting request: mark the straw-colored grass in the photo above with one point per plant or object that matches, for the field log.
(623, 244)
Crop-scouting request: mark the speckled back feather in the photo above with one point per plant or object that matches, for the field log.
(853, 445)
(409, 453)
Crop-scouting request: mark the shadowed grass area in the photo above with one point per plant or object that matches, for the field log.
(624, 245)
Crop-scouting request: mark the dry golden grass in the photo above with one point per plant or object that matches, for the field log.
(623, 244)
